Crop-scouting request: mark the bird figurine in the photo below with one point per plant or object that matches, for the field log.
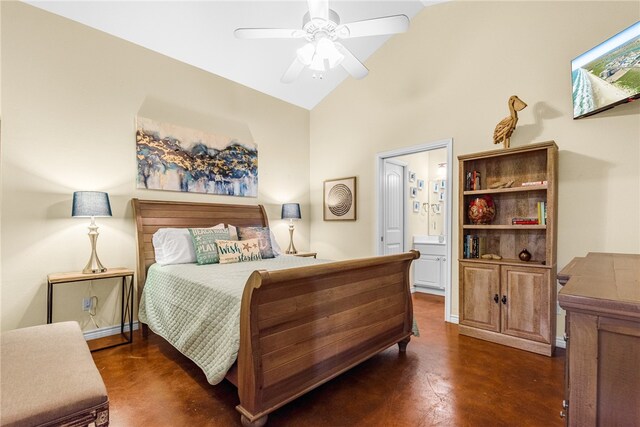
(505, 128)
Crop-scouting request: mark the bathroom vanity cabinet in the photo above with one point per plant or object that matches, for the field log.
(430, 270)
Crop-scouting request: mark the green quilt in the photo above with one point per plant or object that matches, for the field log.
(196, 308)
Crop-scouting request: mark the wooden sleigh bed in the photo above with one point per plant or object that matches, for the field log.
(345, 311)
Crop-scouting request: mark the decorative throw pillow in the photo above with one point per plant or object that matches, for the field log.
(238, 251)
(263, 236)
(232, 230)
(277, 251)
(204, 243)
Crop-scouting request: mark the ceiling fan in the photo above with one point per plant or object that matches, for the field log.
(321, 28)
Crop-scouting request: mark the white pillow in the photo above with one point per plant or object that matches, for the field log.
(234, 236)
(173, 246)
(275, 247)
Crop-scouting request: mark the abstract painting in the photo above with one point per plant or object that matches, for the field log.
(340, 199)
(177, 158)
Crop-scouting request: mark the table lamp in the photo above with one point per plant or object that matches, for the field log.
(91, 204)
(291, 211)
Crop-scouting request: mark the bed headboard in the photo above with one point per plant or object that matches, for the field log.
(154, 214)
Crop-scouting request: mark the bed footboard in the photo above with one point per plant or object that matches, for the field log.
(301, 327)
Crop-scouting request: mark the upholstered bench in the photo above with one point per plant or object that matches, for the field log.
(48, 378)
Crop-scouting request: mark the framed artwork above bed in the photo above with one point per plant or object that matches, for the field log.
(177, 158)
(340, 199)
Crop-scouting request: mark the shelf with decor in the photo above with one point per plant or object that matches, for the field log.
(503, 227)
(505, 190)
(508, 209)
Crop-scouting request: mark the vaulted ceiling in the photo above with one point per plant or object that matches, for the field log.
(200, 33)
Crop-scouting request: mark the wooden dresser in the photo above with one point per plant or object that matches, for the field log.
(601, 295)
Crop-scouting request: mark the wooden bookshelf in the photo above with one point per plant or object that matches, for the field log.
(497, 296)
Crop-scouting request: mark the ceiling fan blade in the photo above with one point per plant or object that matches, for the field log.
(318, 9)
(351, 63)
(293, 71)
(374, 27)
(268, 33)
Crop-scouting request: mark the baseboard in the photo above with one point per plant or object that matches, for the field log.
(508, 340)
(560, 342)
(454, 319)
(107, 331)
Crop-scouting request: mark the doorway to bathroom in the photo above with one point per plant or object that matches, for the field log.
(415, 212)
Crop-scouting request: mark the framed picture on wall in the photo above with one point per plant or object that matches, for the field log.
(416, 206)
(412, 176)
(413, 191)
(420, 184)
(166, 165)
(339, 200)
(435, 186)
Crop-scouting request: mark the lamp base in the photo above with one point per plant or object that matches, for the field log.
(94, 265)
(291, 250)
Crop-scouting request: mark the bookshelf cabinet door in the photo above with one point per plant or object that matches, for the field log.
(479, 284)
(525, 313)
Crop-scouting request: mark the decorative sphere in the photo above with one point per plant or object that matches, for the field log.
(525, 255)
(482, 210)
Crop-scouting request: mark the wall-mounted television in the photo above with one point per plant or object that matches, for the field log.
(608, 74)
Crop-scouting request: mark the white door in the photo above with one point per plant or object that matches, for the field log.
(393, 237)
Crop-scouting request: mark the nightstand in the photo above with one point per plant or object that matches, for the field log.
(305, 254)
(126, 308)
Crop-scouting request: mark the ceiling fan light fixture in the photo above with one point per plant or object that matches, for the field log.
(328, 53)
(305, 53)
(317, 63)
(322, 29)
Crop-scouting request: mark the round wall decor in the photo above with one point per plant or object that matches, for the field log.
(340, 200)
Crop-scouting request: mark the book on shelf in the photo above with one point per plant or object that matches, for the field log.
(472, 181)
(525, 221)
(474, 246)
(542, 213)
(531, 183)
(539, 211)
(467, 252)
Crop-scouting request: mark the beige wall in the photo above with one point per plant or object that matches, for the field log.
(70, 95)
(451, 76)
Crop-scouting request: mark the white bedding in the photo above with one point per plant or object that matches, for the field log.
(196, 308)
